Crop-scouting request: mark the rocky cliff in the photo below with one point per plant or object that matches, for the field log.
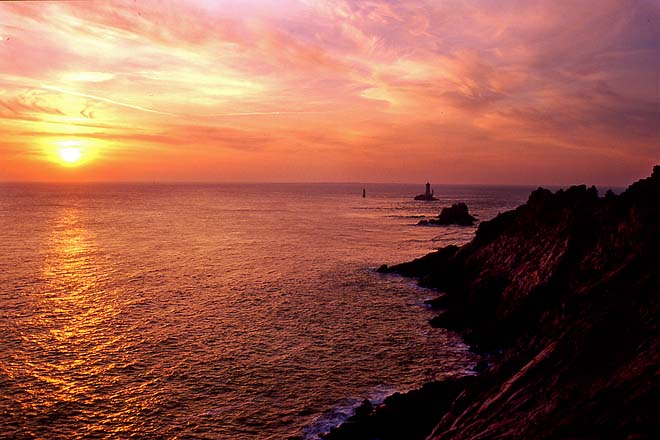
(563, 294)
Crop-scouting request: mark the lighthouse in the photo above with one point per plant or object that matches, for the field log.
(428, 195)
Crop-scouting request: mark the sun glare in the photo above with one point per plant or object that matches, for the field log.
(70, 155)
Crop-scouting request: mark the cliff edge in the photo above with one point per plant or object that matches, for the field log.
(563, 294)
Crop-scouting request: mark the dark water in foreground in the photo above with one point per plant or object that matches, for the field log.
(217, 311)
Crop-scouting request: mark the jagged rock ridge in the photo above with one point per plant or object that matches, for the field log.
(566, 287)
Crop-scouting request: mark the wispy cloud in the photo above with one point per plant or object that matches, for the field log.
(345, 89)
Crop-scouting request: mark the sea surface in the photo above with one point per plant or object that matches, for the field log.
(232, 311)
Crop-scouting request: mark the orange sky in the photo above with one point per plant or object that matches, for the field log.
(550, 92)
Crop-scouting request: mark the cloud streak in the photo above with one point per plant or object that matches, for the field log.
(85, 112)
(101, 99)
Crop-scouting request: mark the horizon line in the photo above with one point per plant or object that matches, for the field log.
(216, 182)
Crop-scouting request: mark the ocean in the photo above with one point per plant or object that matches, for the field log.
(219, 311)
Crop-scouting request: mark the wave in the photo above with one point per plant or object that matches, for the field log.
(340, 413)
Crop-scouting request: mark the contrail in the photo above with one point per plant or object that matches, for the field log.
(150, 110)
(255, 113)
(109, 101)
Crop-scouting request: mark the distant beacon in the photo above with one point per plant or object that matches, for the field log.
(428, 195)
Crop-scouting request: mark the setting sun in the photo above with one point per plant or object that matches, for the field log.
(70, 155)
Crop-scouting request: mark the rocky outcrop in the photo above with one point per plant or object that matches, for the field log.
(564, 293)
(426, 197)
(407, 416)
(456, 214)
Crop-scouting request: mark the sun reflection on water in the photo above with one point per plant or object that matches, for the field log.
(73, 334)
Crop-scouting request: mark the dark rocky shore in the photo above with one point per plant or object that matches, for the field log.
(563, 295)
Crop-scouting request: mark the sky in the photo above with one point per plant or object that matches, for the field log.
(506, 92)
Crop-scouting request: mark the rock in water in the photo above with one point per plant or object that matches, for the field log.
(456, 214)
(425, 197)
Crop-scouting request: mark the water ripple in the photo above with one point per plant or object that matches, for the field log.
(213, 311)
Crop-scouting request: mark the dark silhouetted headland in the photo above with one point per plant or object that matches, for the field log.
(561, 295)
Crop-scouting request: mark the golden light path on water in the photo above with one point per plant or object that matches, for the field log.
(82, 356)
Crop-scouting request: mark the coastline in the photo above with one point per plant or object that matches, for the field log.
(562, 293)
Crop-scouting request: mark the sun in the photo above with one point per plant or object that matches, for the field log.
(71, 155)
(70, 152)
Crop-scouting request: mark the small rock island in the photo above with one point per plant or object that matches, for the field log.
(456, 214)
(428, 195)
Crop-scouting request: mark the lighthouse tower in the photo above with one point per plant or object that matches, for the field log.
(428, 195)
